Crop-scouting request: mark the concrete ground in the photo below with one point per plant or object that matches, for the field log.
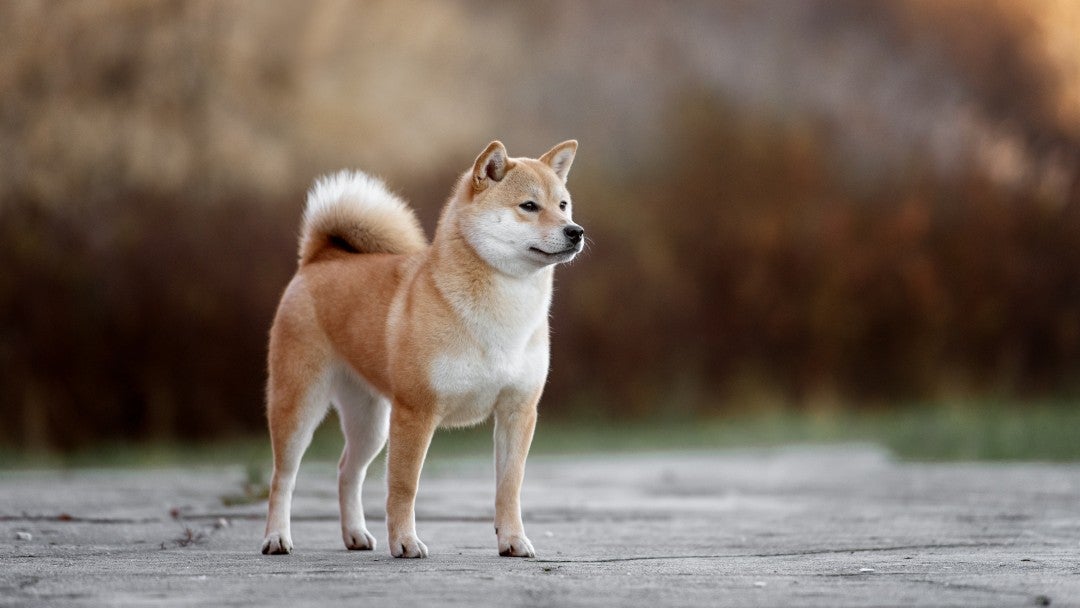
(801, 526)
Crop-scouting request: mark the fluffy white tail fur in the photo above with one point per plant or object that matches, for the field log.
(353, 211)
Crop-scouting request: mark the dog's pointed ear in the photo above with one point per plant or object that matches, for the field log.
(490, 166)
(561, 157)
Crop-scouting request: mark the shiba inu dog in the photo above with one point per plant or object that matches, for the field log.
(403, 337)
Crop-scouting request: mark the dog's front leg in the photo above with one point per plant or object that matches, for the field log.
(410, 436)
(514, 428)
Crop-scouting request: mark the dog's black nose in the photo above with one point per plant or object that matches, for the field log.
(573, 232)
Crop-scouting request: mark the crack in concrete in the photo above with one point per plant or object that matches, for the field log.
(967, 586)
(68, 518)
(787, 554)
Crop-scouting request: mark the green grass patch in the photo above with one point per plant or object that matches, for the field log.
(1043, 432)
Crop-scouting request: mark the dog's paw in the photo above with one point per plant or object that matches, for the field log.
(516, 545)
(277, 543)
(407, 546)
(358, 539)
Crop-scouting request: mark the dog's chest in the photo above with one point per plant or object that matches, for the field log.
(470, 383)
(497, 356)
(494, 349)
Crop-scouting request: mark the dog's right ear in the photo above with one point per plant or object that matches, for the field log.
(490, 166)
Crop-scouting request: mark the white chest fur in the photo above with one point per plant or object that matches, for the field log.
(502, 353)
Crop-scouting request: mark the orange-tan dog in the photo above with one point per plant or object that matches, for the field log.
(403, 337)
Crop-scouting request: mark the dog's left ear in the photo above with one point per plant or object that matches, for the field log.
(561, 157)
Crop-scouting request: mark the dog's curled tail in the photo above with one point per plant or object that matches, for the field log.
(355, 212)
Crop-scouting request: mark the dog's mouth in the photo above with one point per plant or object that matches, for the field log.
(555, 254)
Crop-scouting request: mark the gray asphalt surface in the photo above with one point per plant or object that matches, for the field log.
(800, 526)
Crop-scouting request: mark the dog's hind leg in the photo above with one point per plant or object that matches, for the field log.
(293, 418)
(365, 422)
(298, 396)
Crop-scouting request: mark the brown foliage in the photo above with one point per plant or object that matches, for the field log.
(151, 325)
(749, 259)
(787, 202)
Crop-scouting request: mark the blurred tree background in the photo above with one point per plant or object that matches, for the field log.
(792, 205)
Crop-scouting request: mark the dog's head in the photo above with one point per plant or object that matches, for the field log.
(517, 212)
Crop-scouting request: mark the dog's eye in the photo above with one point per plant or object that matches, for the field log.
(562, 205)
(529, 206)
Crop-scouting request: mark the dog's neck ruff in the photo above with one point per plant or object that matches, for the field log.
(497, 306)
